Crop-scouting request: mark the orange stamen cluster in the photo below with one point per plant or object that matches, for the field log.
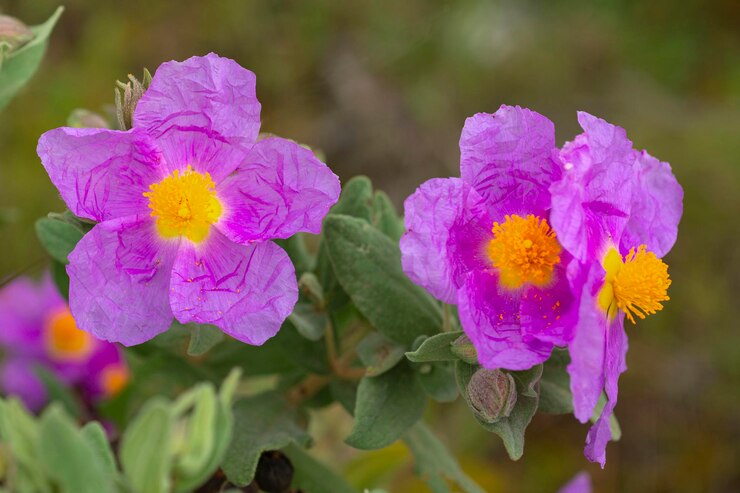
(636, 286)
(524, 250)
(64, 341)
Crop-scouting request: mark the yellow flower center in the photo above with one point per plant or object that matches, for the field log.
(113, 379)
(524, 250)
(184, 204)
(64, 341)
(636, 286)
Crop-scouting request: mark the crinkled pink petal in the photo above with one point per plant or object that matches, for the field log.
(100, 173)
(281, 188)
(17, 377)
(490, 318)
(202, 112)
(592, 202)
(550, 313)
(615, 364)
(119, 277)
(508, 158)
(657, 205)
(246, 290)
(581, 483)
(444, 236)
(587, 349)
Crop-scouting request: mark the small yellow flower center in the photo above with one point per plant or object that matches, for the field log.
(636, 286)
(113, 379)
(524, 250)
(64, 341)
(184, 204)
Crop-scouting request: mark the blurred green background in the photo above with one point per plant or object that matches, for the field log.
(383, 88)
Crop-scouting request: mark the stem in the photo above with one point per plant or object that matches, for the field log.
(446, 318)
(307, 388)
(340, 365)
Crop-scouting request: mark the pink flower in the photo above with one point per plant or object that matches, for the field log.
(187, 201)
(38, 332)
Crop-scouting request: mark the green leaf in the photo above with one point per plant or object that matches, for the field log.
(262, 422)
(70, 458)
(216, 433)
(356, 199)
(368, 266)
(94, 433)
(60, 277)
(203, 338)
(311, 475)
(510, 429)
(19, 66)
(196, 413)
(304, 353)
(270, 358)
(378, 354)
(435, 348)
(20, 431)
(311, 288)
(146, 448)
(555, 395)
(345, 393)
(386, 407)
(59, 238)
(437, 380)
(434, 462)
(385, 218)
(308, 321)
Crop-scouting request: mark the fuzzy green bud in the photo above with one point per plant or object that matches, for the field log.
(492, 394)
(464, 349)
(81, 118)
(13, 33)
(128, 95)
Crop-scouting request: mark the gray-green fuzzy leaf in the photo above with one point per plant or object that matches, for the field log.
(203, 338)
(263, 422)
(69, 457)
(368, 266)
(146, 448)
(435, 348)
(379, 354)
(59, 238)
(386, 407)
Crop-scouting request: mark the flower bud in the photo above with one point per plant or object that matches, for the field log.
(81, 118)
(274, 472)
(127, 97)
(464, 349)
(13, 32)
(492, 394)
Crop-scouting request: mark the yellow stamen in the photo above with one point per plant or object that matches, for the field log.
(64, 341)
(184, 204)
(524, 250)
(636, 286)
(113, 379)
